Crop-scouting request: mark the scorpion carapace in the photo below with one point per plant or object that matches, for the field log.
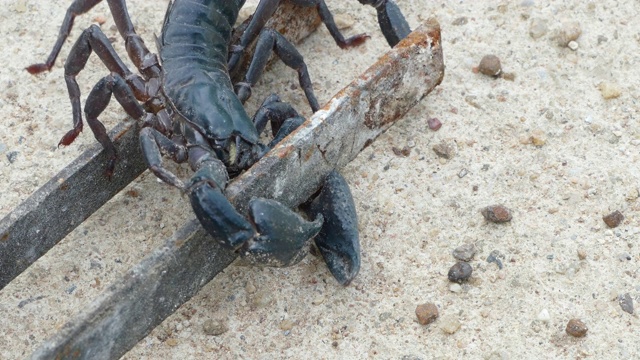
(191, 113)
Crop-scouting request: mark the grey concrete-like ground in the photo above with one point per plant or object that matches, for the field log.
(548, 143)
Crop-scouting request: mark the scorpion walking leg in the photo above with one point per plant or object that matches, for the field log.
(78, 7)
(97, 101)
(271, 40)
(92, 39)
(154, 144)
(328, 21)
(265, 10)
(392, 23)
(274, 111)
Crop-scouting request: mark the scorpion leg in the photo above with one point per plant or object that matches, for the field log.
(78, 7)
(92, 39)
(274, 111)
(154, 144)
(392, 23)
(271, 40)
(328, 21)
(97, 101)
(265, 10)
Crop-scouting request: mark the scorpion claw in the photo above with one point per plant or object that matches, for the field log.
(218, 216)
(282, 234)
(338, 240)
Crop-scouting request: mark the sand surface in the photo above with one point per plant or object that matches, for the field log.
(557, 141)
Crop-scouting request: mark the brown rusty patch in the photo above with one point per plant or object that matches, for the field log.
(180, 242)
(4, 237)
(283, 152)
(307, 154)
(129, 126)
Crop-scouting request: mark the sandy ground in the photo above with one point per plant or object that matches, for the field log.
(547, 143)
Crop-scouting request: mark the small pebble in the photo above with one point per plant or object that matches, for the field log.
(20, 6)
(538, 28)
(460, 272)
(496, 214)
(455, 288)
(12, 156)
(344, 21)
(626, 303)
(250, 288)
(318, 300)
(446, 150)
(449, 324)
(286, 324)
(537, 138)
(404, 152)
(624, 256)
(495, 257)
(614, 219)
(490, 65)
(100, 19)
(576, 328)
(609, 90)
(544, 316)
(573, 45)
(460, 21)
(260, 300)
(464, 252)
(214, 327)
(171, 342)
(582, 254)
(426, 313)
(434, 124)
(570, 31)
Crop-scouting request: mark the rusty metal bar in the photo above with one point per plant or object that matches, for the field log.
(81, 188)
(130, 308)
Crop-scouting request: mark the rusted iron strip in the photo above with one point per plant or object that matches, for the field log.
(65, 201)
(130, 308)
(81, 188)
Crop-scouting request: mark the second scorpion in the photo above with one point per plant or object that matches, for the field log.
(191, 113)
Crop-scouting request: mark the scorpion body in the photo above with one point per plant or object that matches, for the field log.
(191, 112)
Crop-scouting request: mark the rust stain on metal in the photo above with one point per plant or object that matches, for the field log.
(284, 152)
(307, 155)
(388, 109)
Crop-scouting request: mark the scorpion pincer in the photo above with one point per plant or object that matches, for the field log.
(190, 112)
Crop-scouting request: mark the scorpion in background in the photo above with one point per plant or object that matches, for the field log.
(191, 113)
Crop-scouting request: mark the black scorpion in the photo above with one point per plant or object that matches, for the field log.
(190, 112)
